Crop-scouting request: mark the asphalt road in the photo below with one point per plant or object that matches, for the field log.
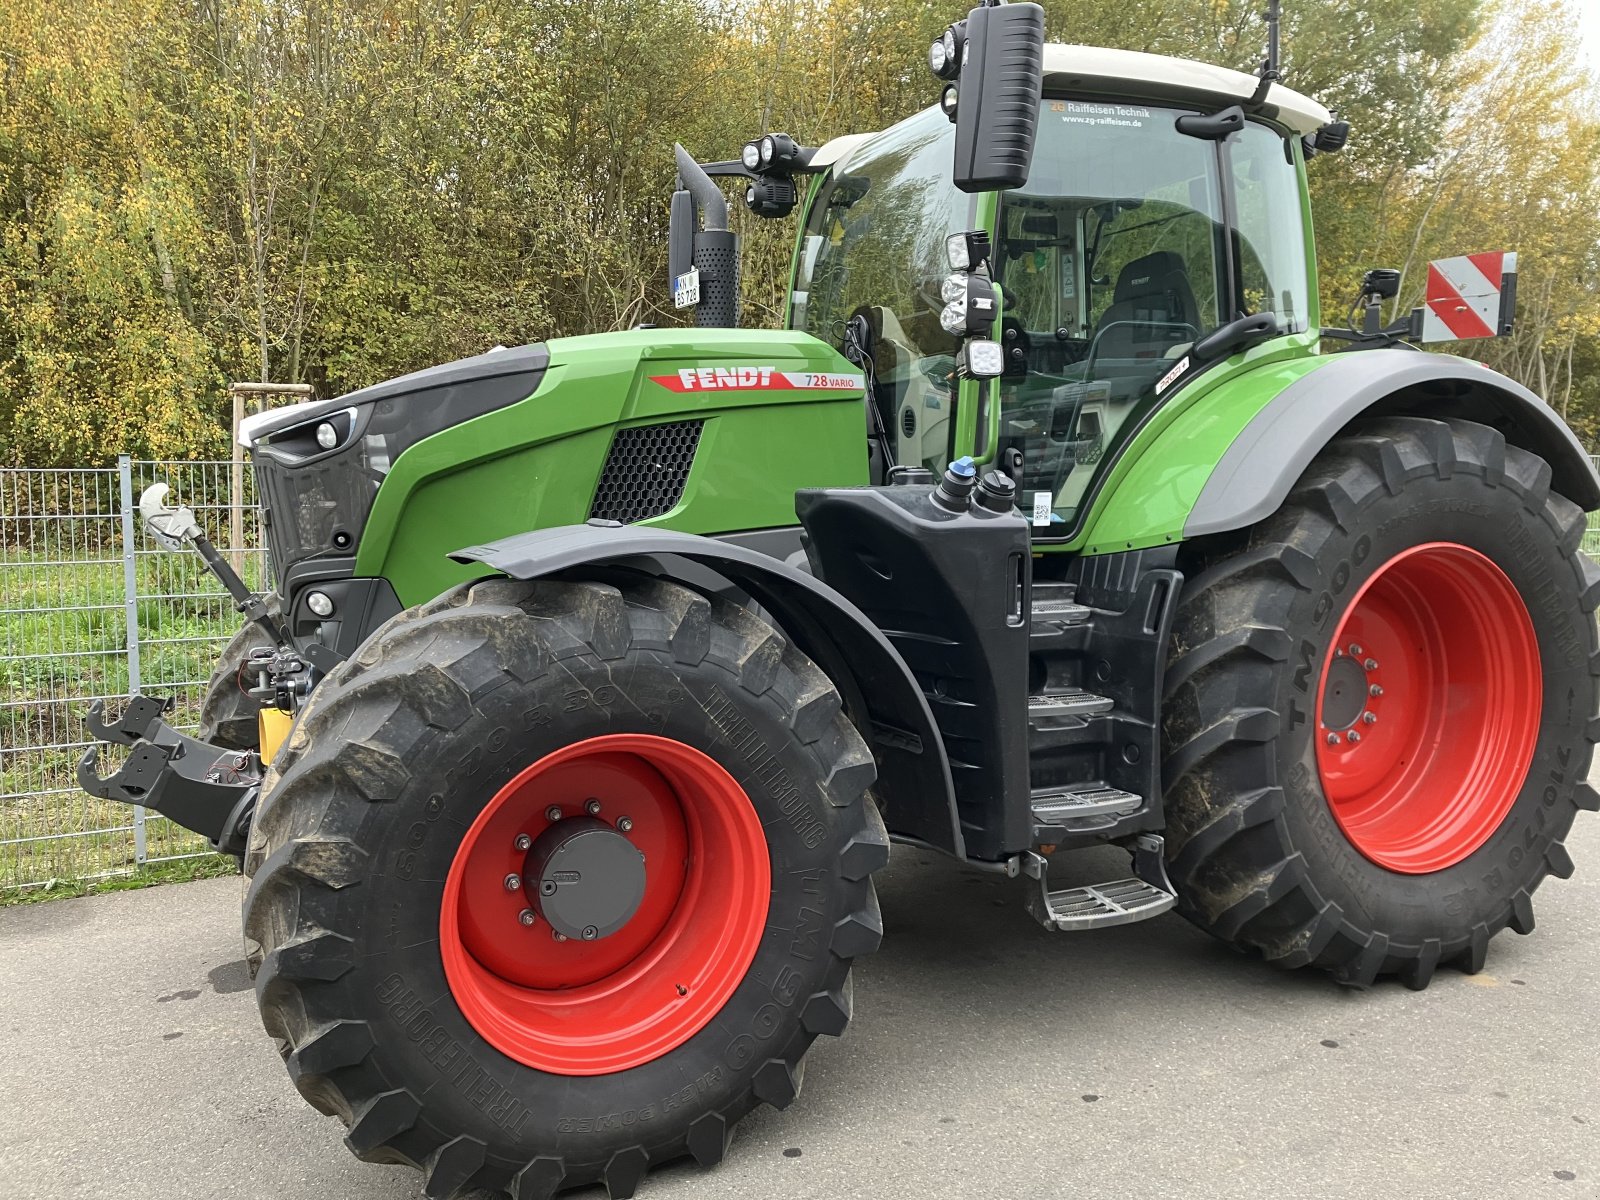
(987, 1058)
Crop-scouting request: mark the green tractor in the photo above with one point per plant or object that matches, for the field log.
(601, 674)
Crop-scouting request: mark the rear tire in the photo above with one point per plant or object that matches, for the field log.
(1259, 855)
(399, 761)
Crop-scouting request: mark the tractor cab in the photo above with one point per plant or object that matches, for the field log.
(1156, 212)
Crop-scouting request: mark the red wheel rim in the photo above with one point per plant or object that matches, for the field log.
(1428, 708)
(577, 1007)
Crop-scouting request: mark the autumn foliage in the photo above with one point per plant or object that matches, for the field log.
(196, 191)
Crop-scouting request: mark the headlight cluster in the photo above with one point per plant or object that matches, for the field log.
(971, 306)
(773, 159)
(946, 57)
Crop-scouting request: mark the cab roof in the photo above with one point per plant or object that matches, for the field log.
(1134, 75)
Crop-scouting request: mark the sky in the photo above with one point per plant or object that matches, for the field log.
(1589, 28)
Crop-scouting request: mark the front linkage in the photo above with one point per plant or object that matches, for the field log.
(209, 789)
(200, 786)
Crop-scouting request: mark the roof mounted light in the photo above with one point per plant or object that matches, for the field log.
(750, 156)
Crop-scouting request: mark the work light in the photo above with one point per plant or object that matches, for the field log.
(944, 56)
(751, 156)
(967, 251)
(980, 359)
(772, 196)
(948, 100)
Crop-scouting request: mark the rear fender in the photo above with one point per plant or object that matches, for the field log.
(913, 770)
(1256, 473)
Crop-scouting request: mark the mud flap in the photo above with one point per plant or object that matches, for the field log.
(202, 787)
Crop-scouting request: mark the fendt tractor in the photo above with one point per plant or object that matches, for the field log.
(600, 675)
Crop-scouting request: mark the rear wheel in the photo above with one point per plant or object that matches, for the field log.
(555, 881)
(1380, 703)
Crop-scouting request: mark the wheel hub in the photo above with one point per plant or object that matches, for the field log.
(584, 878)
(1344, 694)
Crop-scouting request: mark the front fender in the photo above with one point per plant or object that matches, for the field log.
(914, 780)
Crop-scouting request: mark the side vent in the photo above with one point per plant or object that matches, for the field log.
(645, 471)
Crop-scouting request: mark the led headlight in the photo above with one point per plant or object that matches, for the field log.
(327, 436)
(772, 196)
(319, 604)
(981, 359)
(751, 156)
(945, 55)
(768, 148)
(967, 251)
(970, 306)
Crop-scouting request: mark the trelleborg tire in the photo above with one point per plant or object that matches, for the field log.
(1380, 707)
(675, 787)
(227, 713)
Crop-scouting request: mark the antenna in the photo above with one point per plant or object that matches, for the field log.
(1271, 71)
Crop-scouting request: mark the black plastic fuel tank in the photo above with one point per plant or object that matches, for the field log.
(946, 579)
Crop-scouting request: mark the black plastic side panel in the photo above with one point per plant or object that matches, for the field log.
(913, 771)
(949, 590)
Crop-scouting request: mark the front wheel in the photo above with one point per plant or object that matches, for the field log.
(1380, 705)
(555, 881)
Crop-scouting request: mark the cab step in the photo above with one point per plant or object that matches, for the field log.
(1149, 893)
(1075, 703)
(1056, 806)
(1068, 612)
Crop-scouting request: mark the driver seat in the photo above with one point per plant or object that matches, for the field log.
(1152, 310)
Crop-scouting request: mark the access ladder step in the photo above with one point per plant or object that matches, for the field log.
(1059, 805)
(1100, 905)
(1068, 612)
(1076, 703)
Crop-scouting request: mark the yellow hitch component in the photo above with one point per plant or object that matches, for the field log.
(273, 725)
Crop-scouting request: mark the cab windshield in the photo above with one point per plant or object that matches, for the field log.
(1115, 258)
(1129, 242)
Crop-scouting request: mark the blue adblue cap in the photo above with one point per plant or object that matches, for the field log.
(963, 466)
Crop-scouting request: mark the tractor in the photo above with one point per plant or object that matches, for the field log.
(600, 675)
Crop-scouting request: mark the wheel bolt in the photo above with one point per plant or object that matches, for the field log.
(1355, 736)
(513, 882)
(590, 933)
(1369, 718)
(553, 813)
(592, 808)
(523, 841)
(558, 935)
(1355, 650)
(624, 824)
(1375, 690)
(1333, 739)
(526, 916)
(1372, 664)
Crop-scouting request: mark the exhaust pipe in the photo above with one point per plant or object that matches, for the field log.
(713, 251)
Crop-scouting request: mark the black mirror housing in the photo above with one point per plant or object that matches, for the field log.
(998, 97)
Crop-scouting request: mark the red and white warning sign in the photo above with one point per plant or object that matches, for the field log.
(757, 379)
(1473, 296)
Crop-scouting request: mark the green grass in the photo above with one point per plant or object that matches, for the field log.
(186, 870)
(63, 643)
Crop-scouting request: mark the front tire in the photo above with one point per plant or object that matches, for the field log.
(716, 884)
(1381, 809)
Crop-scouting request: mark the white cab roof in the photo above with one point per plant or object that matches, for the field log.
(1134, 74)
(1155, 76)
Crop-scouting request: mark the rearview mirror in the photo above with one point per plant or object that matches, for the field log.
(997, 97)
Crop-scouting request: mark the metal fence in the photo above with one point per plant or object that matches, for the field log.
(90, 608)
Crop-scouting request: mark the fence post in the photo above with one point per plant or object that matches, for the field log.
(130, 605)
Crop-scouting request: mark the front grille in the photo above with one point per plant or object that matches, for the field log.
(645, 471)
